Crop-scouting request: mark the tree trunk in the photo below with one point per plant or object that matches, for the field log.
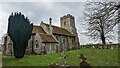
(103, 37)
(103, 40)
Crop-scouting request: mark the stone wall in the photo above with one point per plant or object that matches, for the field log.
(37, 44)
(65, 42)
(50, 47)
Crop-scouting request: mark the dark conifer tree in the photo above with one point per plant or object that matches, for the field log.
(19, 30)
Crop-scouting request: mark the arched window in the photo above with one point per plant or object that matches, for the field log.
(36, 43)
(64, 23)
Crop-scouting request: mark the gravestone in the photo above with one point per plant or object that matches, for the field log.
(83, 63)
(93, 48)
(64, 63)
(64, 56)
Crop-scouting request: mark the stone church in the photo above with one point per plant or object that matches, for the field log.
(47, 38)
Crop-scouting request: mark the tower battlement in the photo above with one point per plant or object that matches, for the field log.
(68, 22)
(66, 16)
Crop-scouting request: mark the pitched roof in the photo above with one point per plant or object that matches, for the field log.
(38, 29)
(60, 31)
(47, 38)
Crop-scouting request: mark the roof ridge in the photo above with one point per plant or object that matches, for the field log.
(56, 31)
(55, 26)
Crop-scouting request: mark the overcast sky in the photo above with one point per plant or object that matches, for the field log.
(42, 11)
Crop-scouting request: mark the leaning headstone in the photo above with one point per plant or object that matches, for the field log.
(83, 63)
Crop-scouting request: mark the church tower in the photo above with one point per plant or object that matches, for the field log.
(68, 22)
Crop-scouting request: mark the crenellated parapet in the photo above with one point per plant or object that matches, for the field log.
(67, 16)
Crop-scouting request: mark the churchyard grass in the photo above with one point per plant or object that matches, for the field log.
(101, 57)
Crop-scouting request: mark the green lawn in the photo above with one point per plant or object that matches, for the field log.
(102, 57)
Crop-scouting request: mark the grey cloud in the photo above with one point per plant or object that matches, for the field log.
(41, 10)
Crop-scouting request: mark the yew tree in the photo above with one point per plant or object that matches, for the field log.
(19, 30)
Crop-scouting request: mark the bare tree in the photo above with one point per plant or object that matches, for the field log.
(100, 19)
